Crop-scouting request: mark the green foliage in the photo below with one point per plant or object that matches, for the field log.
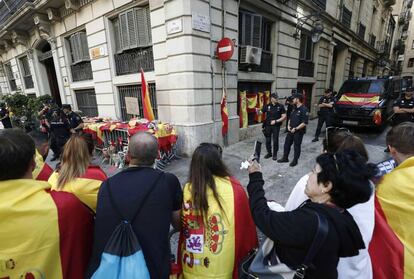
(36, 104)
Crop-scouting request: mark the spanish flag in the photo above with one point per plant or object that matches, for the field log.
(224, 114)
(392, 245)
(218, 247)
(243, 110)
(42, 234)
(357, 99)
(86, 188)
(42, 171)
(146, 102)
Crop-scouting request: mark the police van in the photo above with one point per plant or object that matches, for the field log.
(367, 101)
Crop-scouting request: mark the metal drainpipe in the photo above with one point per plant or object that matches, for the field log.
(213, 84)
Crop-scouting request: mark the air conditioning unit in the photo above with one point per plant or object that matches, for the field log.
(250, 55)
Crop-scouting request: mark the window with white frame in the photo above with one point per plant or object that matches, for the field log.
(133, 41)
(79, 53)
(27, 75)
(10, 76)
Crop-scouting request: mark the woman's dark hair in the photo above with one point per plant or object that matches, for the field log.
(205, 164)
(345, 140)
(349, 174)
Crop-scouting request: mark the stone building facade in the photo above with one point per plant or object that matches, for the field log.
(88, 53)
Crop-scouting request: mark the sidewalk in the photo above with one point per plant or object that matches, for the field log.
(279, 178)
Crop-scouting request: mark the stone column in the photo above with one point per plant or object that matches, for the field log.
(340, 70)
(33, 71)
(332, 46)
(183, 68)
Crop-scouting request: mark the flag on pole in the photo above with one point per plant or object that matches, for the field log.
(146, 102)
(224, 115)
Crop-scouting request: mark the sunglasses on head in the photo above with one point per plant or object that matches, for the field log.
(333, 130)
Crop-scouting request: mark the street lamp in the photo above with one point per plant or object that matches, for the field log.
(317, 27)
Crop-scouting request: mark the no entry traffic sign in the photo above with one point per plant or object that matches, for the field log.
(225, 49)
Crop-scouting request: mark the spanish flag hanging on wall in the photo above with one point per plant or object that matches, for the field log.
(260, 103)
(86, 188)
(42, 235)
(224, 114)
(42, 171)
(392, 245)
(243, 117)
(218, 247)
(146, 101)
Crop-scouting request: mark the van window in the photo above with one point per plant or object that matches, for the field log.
(363, 86)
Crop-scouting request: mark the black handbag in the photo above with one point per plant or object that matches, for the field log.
(264, 263)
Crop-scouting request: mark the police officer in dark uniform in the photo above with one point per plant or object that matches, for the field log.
(297, 128)
(275, 115)
(325, 112)
(404, 108)
(290, 106)
(5, 117)
(75, 121)
(59, 132)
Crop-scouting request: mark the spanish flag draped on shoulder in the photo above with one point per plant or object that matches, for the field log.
(42, 171)
(392, 245)
(86, 188)
(42, 234)
(217, 247)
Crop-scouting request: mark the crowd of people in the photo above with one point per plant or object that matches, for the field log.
(75, 222)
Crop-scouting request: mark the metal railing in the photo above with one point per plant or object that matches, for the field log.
(135, 91)
(81, 71)
(9, 8)
(306, 68)
(320, 3)
(28, 82)
(86, 100)
(383, 46)
(131, 61)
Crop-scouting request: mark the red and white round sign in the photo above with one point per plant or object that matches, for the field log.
(225, 49)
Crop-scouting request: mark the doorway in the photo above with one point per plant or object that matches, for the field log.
(306, 90)
(46, 60)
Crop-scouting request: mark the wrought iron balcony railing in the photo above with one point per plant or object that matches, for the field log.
(9, 8)
(132, 61)
(82, 71)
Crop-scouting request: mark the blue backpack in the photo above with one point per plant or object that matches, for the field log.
(122, 257)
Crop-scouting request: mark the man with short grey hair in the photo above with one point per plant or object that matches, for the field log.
(128, 190)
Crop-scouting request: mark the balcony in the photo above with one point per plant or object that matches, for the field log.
(404, 17)
(81, 71)
(383, 47)
(132, 61)
(306, 68)
(12, 6)
(320, 3)
(266, 64)
(399, 47)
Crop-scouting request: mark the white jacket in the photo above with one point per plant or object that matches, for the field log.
(358, 267)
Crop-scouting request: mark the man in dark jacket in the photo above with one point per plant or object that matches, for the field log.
(5, 117)
(160, 209)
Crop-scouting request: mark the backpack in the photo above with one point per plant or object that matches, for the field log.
(122, 257)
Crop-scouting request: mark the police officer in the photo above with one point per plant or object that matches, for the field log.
(290, 106)
(404, 108)
(275, 115)
(325, 112)
(5, 117)
(59, 132)
(296, 129)
(75, 121)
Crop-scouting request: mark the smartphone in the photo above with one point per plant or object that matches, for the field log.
(257, 151)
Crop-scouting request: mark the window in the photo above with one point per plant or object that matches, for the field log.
(320, 3)
(306, 65)
(27, 76)
(10, 77)
(86, 100)
(346, 17)
(79, 52)
(412, 45)
(250, 29)
(410, 63)
(361, 31)
(135, 91)
(133, 41)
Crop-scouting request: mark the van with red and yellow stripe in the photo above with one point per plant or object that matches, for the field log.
(367, 101)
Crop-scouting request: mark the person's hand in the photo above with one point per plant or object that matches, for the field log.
(293, 130)
(273, 122)
(289, 129)
(254, 167)
(73, 131)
